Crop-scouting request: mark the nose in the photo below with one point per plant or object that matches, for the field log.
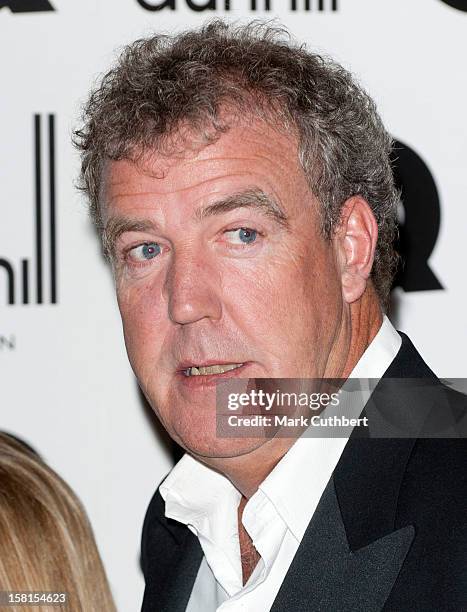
(190, 288)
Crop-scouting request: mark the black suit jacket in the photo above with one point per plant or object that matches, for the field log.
(389, 533)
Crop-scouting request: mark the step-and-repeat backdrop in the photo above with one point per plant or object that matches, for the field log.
(66, 386)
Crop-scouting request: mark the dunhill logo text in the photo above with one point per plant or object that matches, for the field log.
(248, 5)
(16, 275)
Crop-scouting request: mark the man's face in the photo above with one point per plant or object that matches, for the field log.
(219, 260)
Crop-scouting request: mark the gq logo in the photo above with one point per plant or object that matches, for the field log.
(26, 6)
(461, 5)
(418, 231)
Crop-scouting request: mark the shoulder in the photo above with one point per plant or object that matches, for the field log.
(150, 520)
(432, 498)
(155, 510)
(154, 534)
(435, 478)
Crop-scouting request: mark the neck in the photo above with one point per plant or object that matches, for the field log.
(359, 325)
(246, 472)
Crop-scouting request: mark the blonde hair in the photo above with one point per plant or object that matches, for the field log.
(46, 540)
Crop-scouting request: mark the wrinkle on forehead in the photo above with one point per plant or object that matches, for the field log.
(256, 152)
(157, 163)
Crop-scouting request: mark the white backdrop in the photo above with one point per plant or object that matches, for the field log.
(66, 387)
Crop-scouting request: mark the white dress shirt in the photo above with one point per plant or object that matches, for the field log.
(275, 517)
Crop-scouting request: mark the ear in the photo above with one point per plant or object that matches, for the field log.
(355, 242)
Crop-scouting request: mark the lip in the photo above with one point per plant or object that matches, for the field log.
(183, 365)
(209, 380)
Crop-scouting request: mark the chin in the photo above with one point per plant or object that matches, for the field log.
(205, 446)
(194, 426)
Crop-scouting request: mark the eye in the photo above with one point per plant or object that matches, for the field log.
(145, 252)
(242, 235)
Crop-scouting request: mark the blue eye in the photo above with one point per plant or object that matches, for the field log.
(146, 251)
(243, 235)
(247, 235)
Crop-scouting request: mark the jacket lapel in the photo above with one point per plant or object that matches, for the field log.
(327, 575)
(353, 550)
(369, 474)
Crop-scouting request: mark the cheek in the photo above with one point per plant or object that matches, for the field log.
(142, 318)
(293, 282)
(140, 302)
(299, 290)
(267, 301)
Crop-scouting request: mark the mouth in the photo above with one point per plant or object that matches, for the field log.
(215, 369)
(207, 375)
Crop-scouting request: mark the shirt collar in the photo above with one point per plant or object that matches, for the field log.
(379, 354)
(196, 495)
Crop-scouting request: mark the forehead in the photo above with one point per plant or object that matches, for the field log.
(252, 155)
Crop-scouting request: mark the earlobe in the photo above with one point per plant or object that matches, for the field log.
(356, 236)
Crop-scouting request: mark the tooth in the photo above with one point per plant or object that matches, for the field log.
(229, 367)
(214, 369)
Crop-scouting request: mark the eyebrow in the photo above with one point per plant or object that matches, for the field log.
(250, 198)
(116, 226)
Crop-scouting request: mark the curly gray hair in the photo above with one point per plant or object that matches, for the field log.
(162, 84)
